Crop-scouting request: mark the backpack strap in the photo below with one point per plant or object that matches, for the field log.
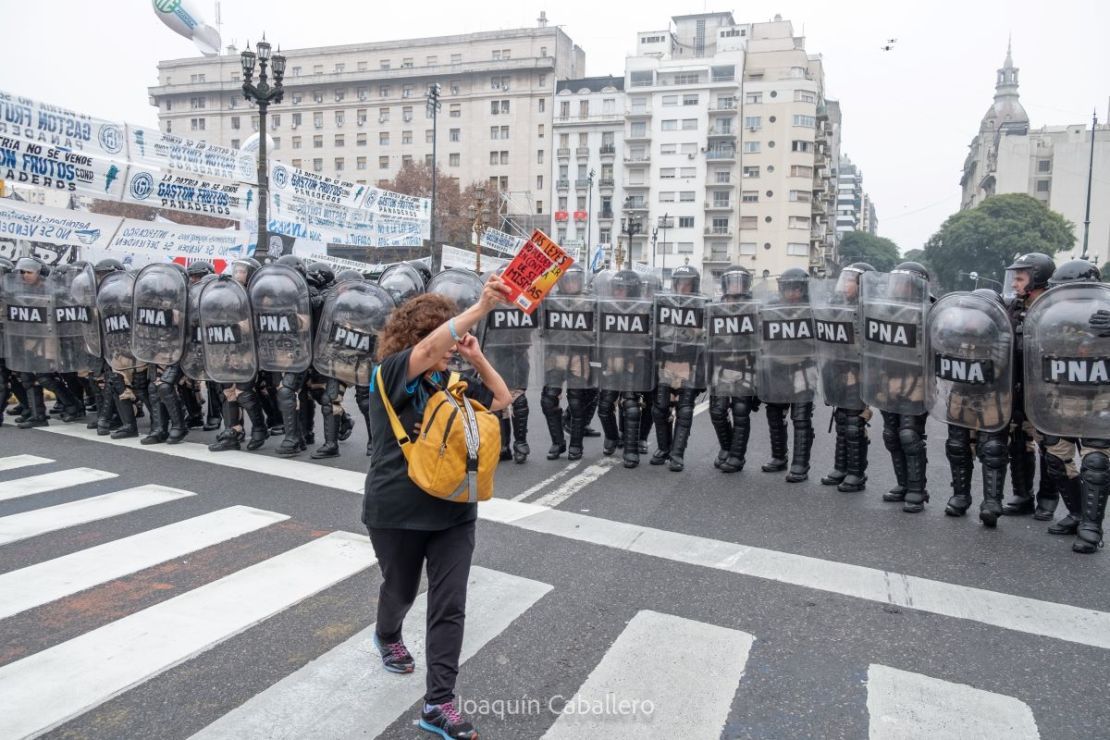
(398, 429)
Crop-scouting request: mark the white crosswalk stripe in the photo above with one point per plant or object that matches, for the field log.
(15, 527)
(22, 461)
(909, 706)
(38, 584)
(107, 661)
(349, 692)
(31, 485)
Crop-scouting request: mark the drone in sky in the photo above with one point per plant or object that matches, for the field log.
(889, 44)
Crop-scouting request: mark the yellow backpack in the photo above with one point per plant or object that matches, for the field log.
(456, 452)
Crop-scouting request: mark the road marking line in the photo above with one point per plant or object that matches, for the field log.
(39, 584)
(349, 692)
(21, 461)
(33, 484)
(546, 482)
(1018, 613)
(45, 689)
(907, 706)
(690, 690)
(577, 483)
(17, 527)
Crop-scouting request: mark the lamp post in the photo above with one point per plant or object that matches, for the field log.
(479, 213)
(589, 219)
(263, 95)
(630, 226)
(654, 236)
(433, 110)
(664, 224)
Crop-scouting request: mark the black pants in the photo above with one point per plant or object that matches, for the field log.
(401, 555)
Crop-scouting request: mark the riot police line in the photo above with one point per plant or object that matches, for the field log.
(1020, 380)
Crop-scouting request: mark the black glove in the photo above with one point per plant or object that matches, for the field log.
(1100, 322)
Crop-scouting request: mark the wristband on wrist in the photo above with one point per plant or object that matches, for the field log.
(451, 328)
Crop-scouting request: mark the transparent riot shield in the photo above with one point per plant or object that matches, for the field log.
(1067, 365)
(569, 341)
(507, 335)
(461, 286)
(625, 336)
(733, 347)
(227, 332)
(836, 318)
(192, 359)
(402, 281)
(114, 304)
(346, 340)
(31, 345)
(787, 354)
(73, 288)
(892, 342)
(282, 319)
(680, 340)
(158, 314)
(969, 362)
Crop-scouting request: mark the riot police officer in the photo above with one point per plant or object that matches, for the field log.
(213, 413)
(788, 372)
(733, 340)
(569, 349)
(680, 364)
(506, 337)
(6, 267)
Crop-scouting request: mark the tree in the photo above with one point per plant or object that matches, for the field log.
(985, 239)
(861, 246)
(452, 223)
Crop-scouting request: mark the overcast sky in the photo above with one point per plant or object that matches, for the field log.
(909, 113)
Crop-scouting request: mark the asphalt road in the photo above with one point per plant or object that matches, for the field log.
(734, 606)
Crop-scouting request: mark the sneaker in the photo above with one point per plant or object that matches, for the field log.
(444, 720)
(395, 656)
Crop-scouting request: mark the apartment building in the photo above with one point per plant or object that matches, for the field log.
(358, 111)
(849, 196)
(587, 167)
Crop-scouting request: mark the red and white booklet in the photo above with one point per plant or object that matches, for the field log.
(534, 271)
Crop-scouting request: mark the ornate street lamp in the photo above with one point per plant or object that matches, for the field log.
(480, 214)
(262, 94)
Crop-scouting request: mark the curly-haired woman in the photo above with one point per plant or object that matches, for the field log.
(407, 526)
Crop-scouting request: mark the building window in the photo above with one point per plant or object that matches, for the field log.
(339, 140)
(751, 147)
(383, 91)
(539, 156)
(794, 249)
(583, 109)
(235, 123)
(749, 222)
(406, 137)
(749, 171)
(453, 159)
(667, 173)
(801, 146)
(196, 103)
(340, 118)
(690, 99)
(318, 119)
(498, 106)
(296, 120)
(296, 142)
(383, 162)
(668, 148)
(747, 248)
(1043, 186)
(318, 141)
(685, 222)
(666, 196)
(753, 98)
(670, 124)
(800, 196)
(689, 124)
(383, 115)
(318, 165)
(383, 64)
(429, 136)
(383, 138)
(297, 163)
(753, 123)
(234, 143)
(456, 59)
(799, 222)
(749, 196)
(494, 157)
(360, 163)
(1044, 165)
(431, 60)
(805, 96)
(454, 134)
(339, 164)
(196, 124)
(360, 139)
(504, 157)
(686, 196)
(339, 95)
(806, 121)
(195, 79)
(801, 170)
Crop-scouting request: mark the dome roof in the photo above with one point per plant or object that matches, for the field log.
(1007, 110)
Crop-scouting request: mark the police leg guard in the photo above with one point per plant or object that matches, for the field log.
(553, 415)
(194, 413)
(631, 412)
(159, 421)
(776, 423)
(287, 397)
(213, 412)
(54, 384)
(801, 415)
(306, 416)
(231, 435)
(1022, 462)
(911, 434)
(330, 448)
(957, 448)
(332, 415)
(4, 391)
(124, 400)
(994, 456)
(1094, 482)
(897, 457)
(661, 416)
(520, 429)
(591, 409)
(171, 403)
(506, 437)
(741, 408)
(607, 415)
(718, 417)
(97, 400)
(683, 421)
(1070, 490)
(252, 405)
(1048, 496)
(36, 405)
(578, 402)
(646, 421)
(855, 445)
(362, 400)
(840, 452)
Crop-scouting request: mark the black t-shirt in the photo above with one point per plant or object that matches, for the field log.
(392, 500)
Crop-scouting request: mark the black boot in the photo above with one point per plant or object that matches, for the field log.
(1072, 494)
(330, 448)
(520, 429)
(856, 444)
(718, 417)
(912, 435)
(213, 411)
(588, 416)
(607, 415)
(1022, 466)
(1094, 482)
(958, 451)
(661, 417)
(293, 443)
(840, 452)
(231, 435)
(993, 454)
(741, 431)
(37, 416)
(129, 426)
(553, 415)
(631, 411)
(683, 420)
(577, 403)
(776, 423)
(159, 423)
(249, 402)
(171, 407)
(506, 439)
(802, 416)
(1048, 498)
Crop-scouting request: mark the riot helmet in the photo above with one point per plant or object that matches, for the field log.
(990, 294)
(848, 283)
(346, 276)
(31, 269)
(573, 281)
(686, 280)
(906, 282)
(626, 284)
(320, 275)
(1028, 273)
(195, 270)
(402, 281)
(293, 261)
(424, 271)
(794, 285)
(242, 270)
(6, 265)
(736, 282)
(1080, 271)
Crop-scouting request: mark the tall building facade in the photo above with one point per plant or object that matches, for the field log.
(855, 211)
(358, 111)
(587, 166)
(1050, 163)
(727, 143)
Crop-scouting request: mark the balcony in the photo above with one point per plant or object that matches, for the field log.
(726, 184)
(636, 206)
(718, 205)
(582, 152)
(716, 257)
(606, 183)
(608, 150)
(563, 153)
(718, 232)
(722, 134)
(721, 155)
(605, 216)
(638, 113)
(562, 184)
(634, 158)
(582, 183)
(724, 107)
(642, 136)
(636, 185)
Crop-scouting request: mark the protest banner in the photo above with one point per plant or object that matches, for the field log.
(57, 226)
(157, 150)
(501, 242)
(25, 162)
(54, 127)
(177, 191)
